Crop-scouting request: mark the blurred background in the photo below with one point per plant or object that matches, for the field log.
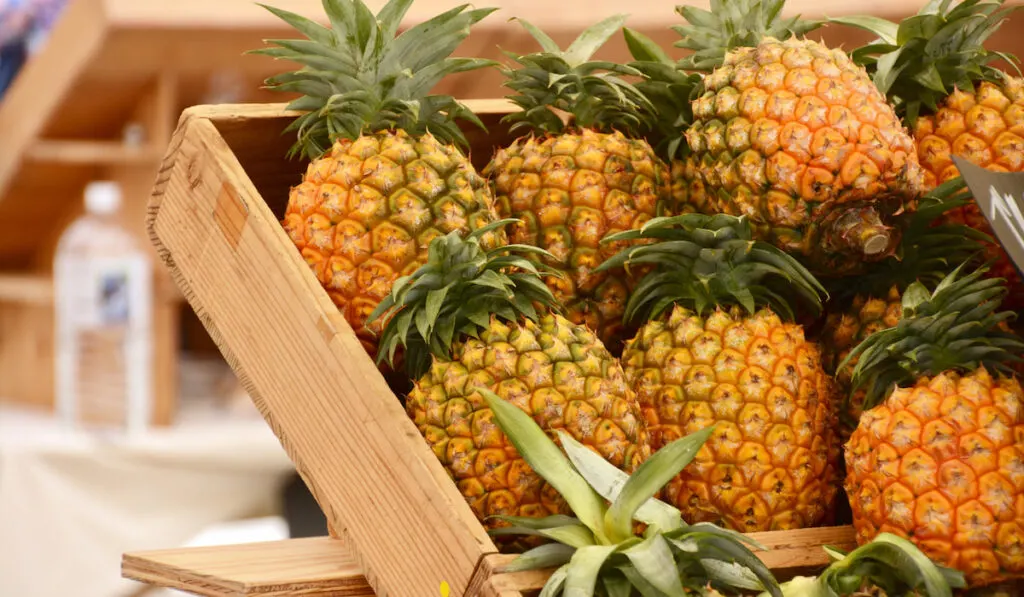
(158, 446)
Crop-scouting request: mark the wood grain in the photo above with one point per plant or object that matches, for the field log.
(374, 477)
(308, 567)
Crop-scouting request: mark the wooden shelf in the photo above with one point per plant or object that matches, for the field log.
(26, 288)
(100, 153)
(314, 566)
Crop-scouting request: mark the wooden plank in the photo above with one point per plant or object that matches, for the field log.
(794, 551)
(372, 474)
(26, 288)
(310, 566)
(92, 152)
(787, 554)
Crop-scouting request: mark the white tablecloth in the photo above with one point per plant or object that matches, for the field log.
(71, 503)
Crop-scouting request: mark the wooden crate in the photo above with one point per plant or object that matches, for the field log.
(214, 218)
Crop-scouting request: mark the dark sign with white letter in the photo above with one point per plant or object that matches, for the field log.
(1000, 195)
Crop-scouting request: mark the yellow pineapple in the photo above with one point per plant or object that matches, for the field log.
(718, 347)
(940, 460)
(954, 101)
(794, 135)
(385, 175)
(865, 304)
(573, 184)
(466, 320)
(672, 85)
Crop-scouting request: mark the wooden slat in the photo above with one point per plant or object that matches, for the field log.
(91, 152)
(374, 477)
(309, 567)
(787, 554)
(26, 288)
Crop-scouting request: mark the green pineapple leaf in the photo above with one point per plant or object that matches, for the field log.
(609, 481)
(956, 327)
(590, 554)
(731, 24)
(650, 477)
(360, 76)
(459, 288)
(919, 61)
(548, 461)
(704, 261)
(593, 93)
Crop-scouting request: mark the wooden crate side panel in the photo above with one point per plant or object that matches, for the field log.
(373, 475)
(787, 554)
(311, 566)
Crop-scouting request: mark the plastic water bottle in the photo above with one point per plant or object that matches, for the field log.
(103, 300)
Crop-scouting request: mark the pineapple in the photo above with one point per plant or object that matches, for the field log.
(717, 350)
(573, 184)
(671, 86)
(669, 90)
(953, 100)
(386, 175)
(466, 321)
(873, 302)
(793, 135)
(941, 459)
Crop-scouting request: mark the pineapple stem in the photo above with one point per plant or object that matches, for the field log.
(862, 230)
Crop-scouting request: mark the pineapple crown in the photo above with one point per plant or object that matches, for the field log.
(920, 61)
(956, 327)
(702, 261)
(456, 292)
(568, 81)
(358, 77)
(596, 551)
(929, 248)
(889, 563)
(670, 91)
(731, 24)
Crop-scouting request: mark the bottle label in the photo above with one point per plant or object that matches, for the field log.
(104, 327)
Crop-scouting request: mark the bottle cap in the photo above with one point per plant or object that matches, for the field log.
(102, 197)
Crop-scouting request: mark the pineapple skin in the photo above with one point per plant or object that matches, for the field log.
(554, 370)
(771, 463)
(986, 127)
(366, 211)
(842, 332)
(942, 464)
(803, 144)
(570, 191)
(688, 192)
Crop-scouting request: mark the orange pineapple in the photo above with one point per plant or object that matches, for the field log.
(718, 346)
(573, 184)
(954, 101)
(379, 186)
(475, 318)
(941, 460)
(794, 135)
(670, 85)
